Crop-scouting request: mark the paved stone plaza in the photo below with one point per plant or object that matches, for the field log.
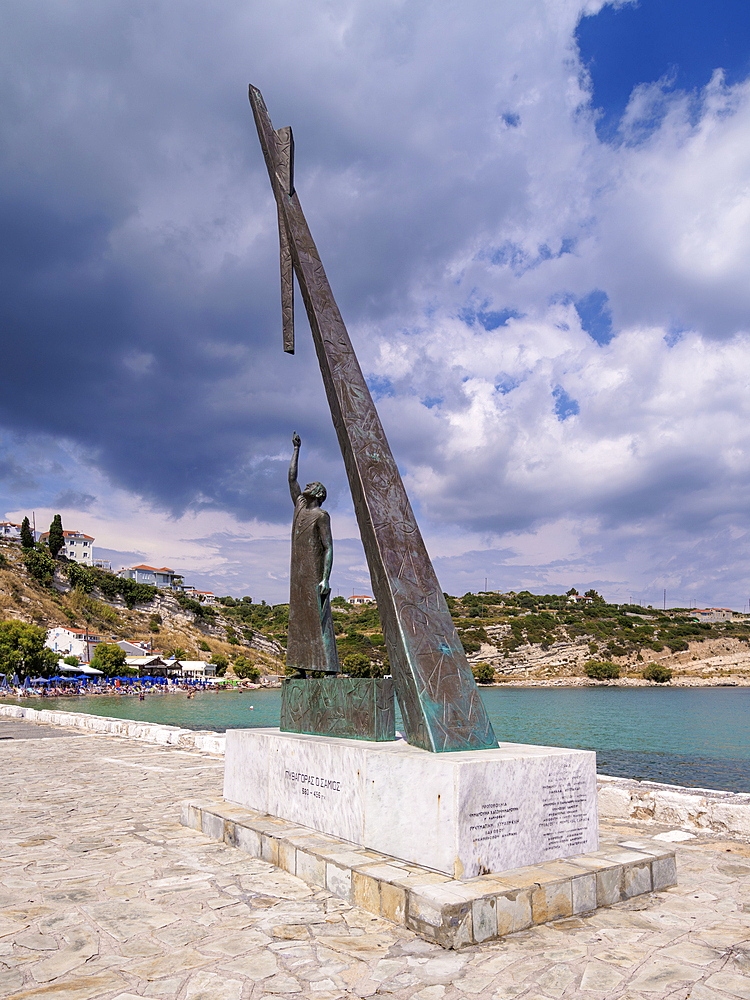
(104, 894)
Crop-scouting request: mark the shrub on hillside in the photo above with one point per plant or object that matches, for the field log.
(656, 672)
(360, 665)
(40, 564)
(483, 673)
(601, 670)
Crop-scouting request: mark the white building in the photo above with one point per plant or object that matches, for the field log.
(360, 599)
(163, 577)
(204, 596)
(197, 669)
(10, 531)
(77, 546)
(73, 642)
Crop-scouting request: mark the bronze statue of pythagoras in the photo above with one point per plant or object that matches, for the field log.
(312, 643)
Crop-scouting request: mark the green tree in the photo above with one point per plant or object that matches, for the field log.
(109, 658)
(27, 536)
(22, 650)
(657, 672)
(593, 595)
(71, 661)
(56, 538)
(221, 663)
(246, 670)
(601, 671)
(483, 673)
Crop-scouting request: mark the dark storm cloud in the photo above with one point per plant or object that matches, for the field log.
(471, 224)
(72, 498)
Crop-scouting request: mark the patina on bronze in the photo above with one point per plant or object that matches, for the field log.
(439, 699)
(358, 708)
(311, 644)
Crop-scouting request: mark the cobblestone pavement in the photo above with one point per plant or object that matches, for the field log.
(104, 894)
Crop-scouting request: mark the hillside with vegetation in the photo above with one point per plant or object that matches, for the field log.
(508, 637)
(548, 637)
(46, 592)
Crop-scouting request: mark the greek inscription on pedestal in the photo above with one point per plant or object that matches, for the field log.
(564, 816)
(493, 821)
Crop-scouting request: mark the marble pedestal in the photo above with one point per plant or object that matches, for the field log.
(463, 814)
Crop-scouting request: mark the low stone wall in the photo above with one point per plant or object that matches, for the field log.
(700, 809)
(149, 732)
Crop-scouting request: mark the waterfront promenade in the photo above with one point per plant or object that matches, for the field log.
(104, 894)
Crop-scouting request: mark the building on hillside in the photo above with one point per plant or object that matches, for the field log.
(10, 531)
(204, 596)
(135, 648)
(712, 614)
(164, 578)
(103, 564)
(360, 599)
(77, 546)
(579, 599)
(73, 642)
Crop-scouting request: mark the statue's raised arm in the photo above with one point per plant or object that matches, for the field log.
(293, 484)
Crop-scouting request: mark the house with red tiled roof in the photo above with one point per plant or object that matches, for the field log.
(75, 641)
(712, 614)
(162, 577)
(10, 530)
(360, 599)
(77, 546)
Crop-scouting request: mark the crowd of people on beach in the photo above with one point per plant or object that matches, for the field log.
(117, 686)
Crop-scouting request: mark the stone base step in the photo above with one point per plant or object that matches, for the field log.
(450, 912)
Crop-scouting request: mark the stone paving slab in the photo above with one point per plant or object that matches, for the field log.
(451, 912)
(104, 895)
(21, 729)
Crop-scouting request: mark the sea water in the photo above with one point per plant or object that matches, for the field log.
(698, 737)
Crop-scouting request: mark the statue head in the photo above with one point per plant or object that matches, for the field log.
(316, 491)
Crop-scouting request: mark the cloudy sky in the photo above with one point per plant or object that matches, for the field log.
(535, 216)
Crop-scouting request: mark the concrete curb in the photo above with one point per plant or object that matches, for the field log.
(701, 809)
(149, 732)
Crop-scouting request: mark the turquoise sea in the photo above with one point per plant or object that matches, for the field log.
(684, 736)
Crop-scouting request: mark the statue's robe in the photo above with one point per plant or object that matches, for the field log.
(311, 644)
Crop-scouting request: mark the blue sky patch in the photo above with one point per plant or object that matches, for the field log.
(490, 319)
(685, 42)
(380, 386)
(596, 316)
(565, 405)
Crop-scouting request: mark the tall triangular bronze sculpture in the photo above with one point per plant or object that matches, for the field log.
(439, 699)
